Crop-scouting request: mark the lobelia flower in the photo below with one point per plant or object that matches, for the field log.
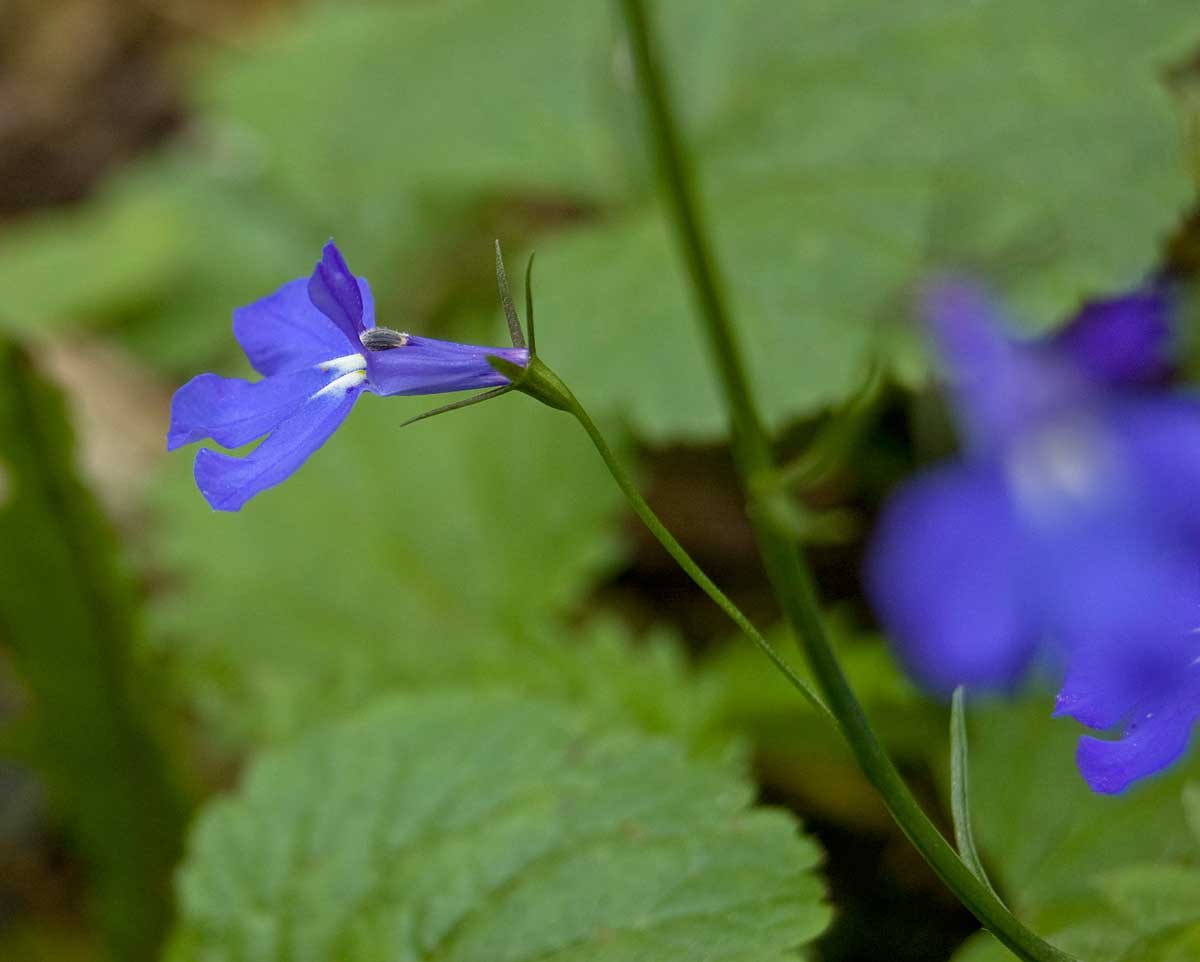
(316, 344)
(1067, 533)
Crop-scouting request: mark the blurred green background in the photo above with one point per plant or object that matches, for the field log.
(163, 163)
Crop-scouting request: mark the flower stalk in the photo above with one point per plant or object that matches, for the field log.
(785, 567)
(536, 379)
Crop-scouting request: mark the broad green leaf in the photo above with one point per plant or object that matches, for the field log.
(616, 311)
(849, 150)
(1154, 897)
(464, 827)
(463, 95)
(1173, 945)
(845, 151)
(1143, 913)
(163, 253)
(68, 619)
(393, 557)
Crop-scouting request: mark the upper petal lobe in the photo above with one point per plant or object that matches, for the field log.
(335, 292)
(285, 331)
(1123, 341)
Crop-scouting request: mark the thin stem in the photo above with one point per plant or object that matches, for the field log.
(643, 510)
(785, 567)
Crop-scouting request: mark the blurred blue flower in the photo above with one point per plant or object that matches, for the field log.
(1067, 533)
(316, 344)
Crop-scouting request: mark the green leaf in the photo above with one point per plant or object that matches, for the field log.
(843, 157)
(1142, 913)
(164, 253)
(616, 310)
(466, 827)
(1191, 808)
(69, 619)
(1154, 897)
(394, 557)
(464, 96)
(847, 152)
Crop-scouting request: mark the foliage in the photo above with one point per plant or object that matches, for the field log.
(68, 616)
(430, 553)
(975, 139)
(1111, 879)
(460, 826)
(844, 152)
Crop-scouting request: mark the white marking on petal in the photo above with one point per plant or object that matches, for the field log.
(342, 384)
(344, 365)
(1063, 465)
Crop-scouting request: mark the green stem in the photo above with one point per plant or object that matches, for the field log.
(643, 510)
(538, 381)
(785, 567)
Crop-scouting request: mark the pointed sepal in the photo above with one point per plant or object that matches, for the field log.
(529, 305)
(510, 309)
(462, 403)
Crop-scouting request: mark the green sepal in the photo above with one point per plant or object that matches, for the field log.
(510, 310)
(456, 405)
(536, 380)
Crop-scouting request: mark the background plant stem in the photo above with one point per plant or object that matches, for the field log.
(784, 565)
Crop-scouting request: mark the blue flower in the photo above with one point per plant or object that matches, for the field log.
(1067, 533)
(316, 344)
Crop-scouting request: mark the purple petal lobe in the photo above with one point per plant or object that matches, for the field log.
(228, 482)
(285, 332)
(944, 575)
(334, 291)
(425, 365)
(1160, 437)
(234, 412)
(1123, 341)
(1157, 736)
(999, 386)
(1125, 607)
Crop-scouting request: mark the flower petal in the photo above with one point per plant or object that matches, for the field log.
(1122, 341)
(425, 365)
(1000, 386)
(945, 574)
(234, 412)
(285, 332)
(228, 482)
(1156, 737)
(335, 292)
(1160, 440)
(1125, 607)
